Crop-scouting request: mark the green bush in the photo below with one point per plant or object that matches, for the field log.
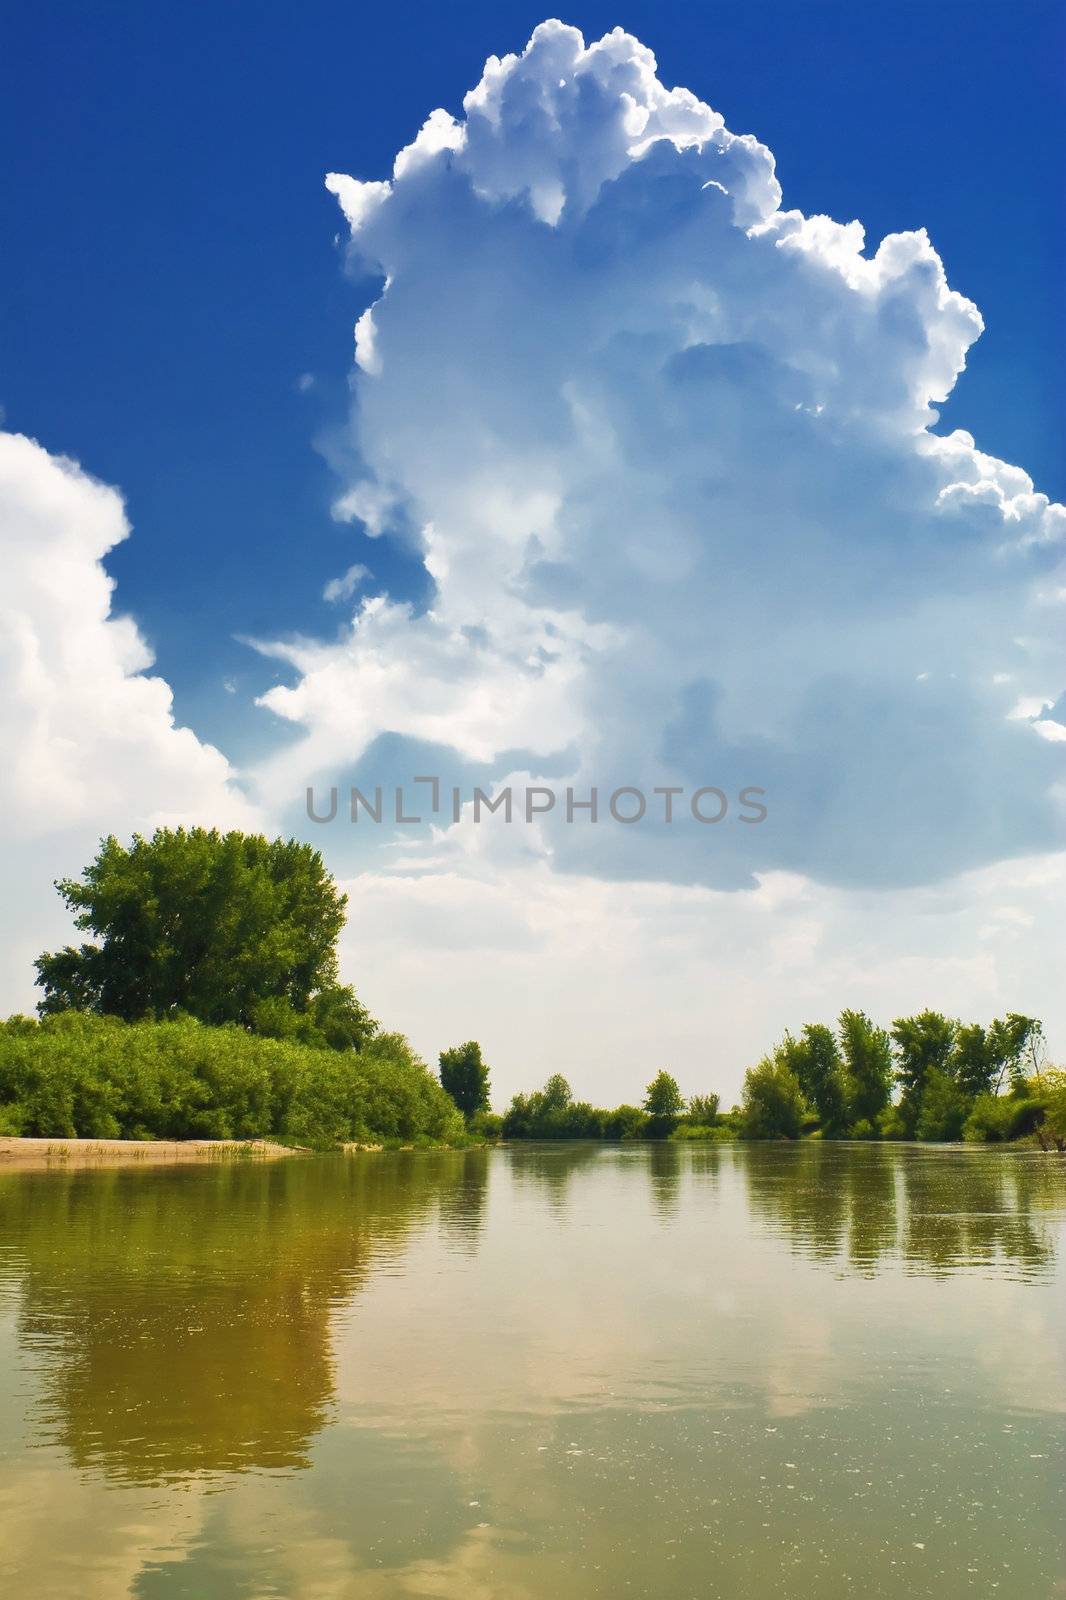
(75, 1075)
(485, 1125)
(695, 1132)
(625, 1122)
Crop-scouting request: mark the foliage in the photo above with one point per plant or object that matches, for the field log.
(867, 1066)
(485, 1125)
(944, 1108)
(924, 1043)
(773, 1105)
(1051, 1133)
(698, 1132)
(816, 1062)
(334, 1020)
(223, 927)
(997, 1118)
(464, 1076)
(663, 1105)
(702, 1110)
(552, 1113)
(624, 1122)
(985, 1057)
(75, 1075)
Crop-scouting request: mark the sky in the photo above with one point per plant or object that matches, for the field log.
(642, 475)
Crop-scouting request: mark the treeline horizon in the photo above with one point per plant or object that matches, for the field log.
(929, 1078)
(209, 1005)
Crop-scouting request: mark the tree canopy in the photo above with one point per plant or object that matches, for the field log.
(949, 1076)
(464, 1075)
(222, 927)
(663, 1104)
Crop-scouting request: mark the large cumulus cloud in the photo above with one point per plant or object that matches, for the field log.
(89, 741)
(669, 453)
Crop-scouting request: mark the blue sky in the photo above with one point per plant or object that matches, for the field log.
(170, 271)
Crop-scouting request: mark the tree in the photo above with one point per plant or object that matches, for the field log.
(334, 1020)
(773, 1106)
(209, 924)
(624, 1122)
(1017, 1046)
(867, 1053)
(974, 1061)
(1051, 1133)
(702, 1110)
(816, 1062)
(465, 1077)
(663, 1104)
(923, 1043)
(944, 1109)
(556, 1094)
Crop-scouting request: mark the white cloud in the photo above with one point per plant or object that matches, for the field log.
(344, 587)
(89, 739)
(669, 452)
(606, 981)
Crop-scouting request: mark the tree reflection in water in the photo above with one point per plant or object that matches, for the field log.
(180, 1318)
(937, 1210)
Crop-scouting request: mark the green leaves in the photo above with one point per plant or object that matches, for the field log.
(773, 1106)
(224, 927)
(465, 1077)
(83, 1076)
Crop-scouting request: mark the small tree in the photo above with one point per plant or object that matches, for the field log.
(663, 1104)
(702, 1110)
(465, 1077)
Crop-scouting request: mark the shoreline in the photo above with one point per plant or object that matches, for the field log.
(25, 1154)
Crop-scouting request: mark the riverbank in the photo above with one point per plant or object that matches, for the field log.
(34, 1153)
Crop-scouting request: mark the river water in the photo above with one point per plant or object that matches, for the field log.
(546, 1371)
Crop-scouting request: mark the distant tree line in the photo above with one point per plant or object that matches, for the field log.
(928, 1077)
(553, 1113)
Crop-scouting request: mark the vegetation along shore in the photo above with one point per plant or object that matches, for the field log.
(207, 1009)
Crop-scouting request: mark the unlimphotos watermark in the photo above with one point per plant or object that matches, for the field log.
(627, 804)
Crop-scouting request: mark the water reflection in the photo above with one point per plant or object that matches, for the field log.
(938, 1210)
(181, 1318)
(665, 1165)
(657, 1371)
(551, 1168)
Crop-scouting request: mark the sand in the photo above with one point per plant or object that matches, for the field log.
(67, 1153)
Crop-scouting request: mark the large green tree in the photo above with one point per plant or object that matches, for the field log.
(924, 1043)
(223, 927)
(464, 1075)
(867, 1052)
(815, 1060)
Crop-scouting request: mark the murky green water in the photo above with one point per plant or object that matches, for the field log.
(578, 1372)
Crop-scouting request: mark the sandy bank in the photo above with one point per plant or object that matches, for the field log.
(66, 1153)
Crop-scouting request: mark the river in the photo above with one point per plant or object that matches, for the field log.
(812, 1372)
